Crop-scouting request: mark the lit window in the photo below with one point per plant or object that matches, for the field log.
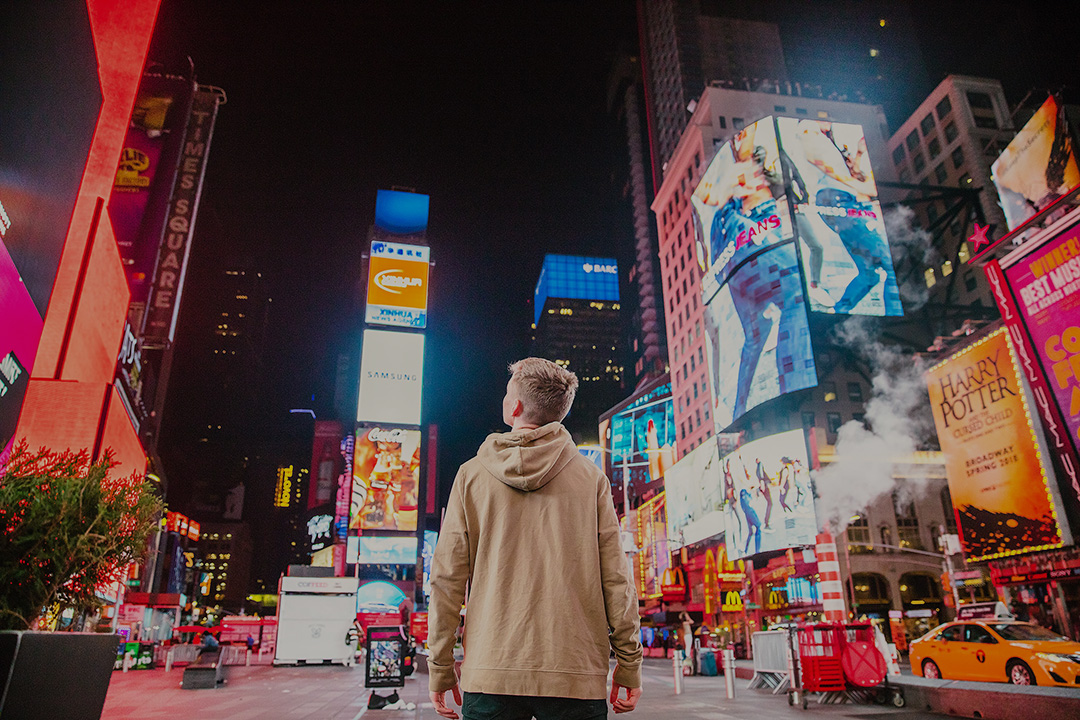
(830, 391)
(946, 268)
(964, 254)
(928, 275)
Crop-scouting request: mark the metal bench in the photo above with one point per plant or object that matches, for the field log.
(206, 672)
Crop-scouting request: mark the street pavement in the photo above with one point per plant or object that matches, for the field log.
(337, 693)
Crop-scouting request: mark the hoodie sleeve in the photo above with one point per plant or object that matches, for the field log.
(450, 571)
(620, 596)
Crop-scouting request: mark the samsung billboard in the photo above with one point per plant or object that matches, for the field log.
(391, 377)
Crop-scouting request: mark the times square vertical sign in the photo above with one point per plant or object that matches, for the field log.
(171, 267)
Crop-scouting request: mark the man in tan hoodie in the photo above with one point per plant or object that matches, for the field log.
(530, 530)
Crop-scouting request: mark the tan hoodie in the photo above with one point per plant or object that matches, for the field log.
(531, 528)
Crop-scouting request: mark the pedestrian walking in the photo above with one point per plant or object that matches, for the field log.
(530, 529)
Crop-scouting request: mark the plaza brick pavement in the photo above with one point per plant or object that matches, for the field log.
(337, 693)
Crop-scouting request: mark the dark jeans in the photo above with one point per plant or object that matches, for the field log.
(481, 706)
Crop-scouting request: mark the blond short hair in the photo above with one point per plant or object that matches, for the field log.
(547, 390)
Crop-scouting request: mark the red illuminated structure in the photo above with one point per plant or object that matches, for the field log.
(71, 402)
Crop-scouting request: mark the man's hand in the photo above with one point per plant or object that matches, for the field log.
(621, 705)
(438, 700)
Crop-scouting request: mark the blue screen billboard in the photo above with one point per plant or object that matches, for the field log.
(838, 219)
(758, 335)
(401, 213)
(576, 277)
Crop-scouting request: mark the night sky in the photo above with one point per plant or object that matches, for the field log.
(498, 112)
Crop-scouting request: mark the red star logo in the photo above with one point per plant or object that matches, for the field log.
(978, 238)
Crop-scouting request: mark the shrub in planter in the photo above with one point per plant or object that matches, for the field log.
(67, 526)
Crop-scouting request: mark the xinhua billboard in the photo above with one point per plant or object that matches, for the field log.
(1005, 500)
(397, 292)
(695, 497)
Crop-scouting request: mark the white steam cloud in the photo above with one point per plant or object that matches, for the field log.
(897, 421)
(909, 241)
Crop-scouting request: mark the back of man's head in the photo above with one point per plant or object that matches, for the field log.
(546, 390)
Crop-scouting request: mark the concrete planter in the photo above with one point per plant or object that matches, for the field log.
(55, 675)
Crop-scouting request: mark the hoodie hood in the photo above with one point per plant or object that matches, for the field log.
(529, 459)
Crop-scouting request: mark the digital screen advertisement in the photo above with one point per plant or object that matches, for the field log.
(52, 99)
(431, 539)
(397, 291)
(326, 462)
(20, 331)
(1003, 498)
(654, 557)
(695, 497)
(379, 596)
(386, 479)
(379, 550)
(1046, 284)
(758, 335)
(391, 377)
(575, 277)
(1038, 166)
(643, 438)
(401, 213)
(773, 507)
(144, 175)
(593, 454)
(838, 219)
(739, 205)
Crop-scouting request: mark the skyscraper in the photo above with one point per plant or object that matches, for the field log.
(577, 325)
(683, 50)
(680, 50)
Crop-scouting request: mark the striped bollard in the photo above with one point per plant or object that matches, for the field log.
(830, 585)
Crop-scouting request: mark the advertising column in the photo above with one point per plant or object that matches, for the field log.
(384, 499)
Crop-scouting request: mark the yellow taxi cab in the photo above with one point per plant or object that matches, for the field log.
(997, 651)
